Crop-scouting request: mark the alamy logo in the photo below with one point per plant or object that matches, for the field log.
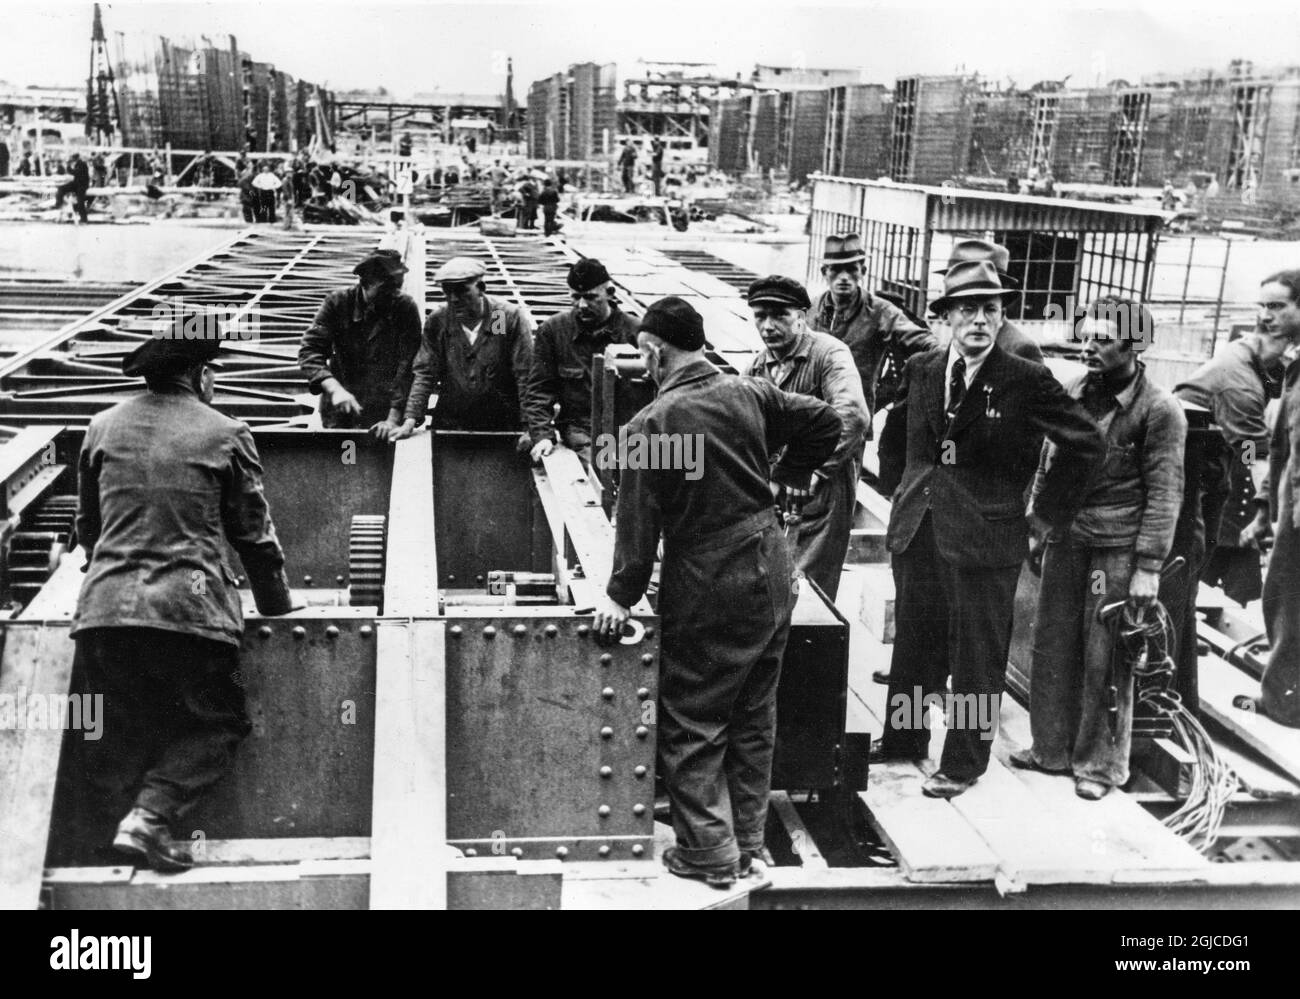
(39, 712)
(95, 953)
(651, 452)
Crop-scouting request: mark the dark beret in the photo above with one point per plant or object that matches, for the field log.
(387, 261)
(674, 321)
(780, 291)
(169, 354)
(587, 273)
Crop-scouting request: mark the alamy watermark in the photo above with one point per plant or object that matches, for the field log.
(177, 320)
(651, 452)
(960, 712)
(41, 712)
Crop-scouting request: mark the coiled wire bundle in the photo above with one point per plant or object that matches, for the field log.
(1143, 640)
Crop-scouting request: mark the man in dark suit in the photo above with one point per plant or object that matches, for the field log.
(967, 432)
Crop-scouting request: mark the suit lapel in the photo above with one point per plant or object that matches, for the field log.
(976, 397)
(933, 389)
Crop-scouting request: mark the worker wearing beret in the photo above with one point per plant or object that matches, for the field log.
(726, 587)
(476, 353)
(357, 355)
(562, 353)
(165, 483)
(815, 364)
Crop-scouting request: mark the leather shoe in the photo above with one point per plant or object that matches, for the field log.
(1023, 759)
(943, 786)
(1091, 790)
(722, 876)
(754, 863)
(880, 676)
(878, 753)
(144, 834)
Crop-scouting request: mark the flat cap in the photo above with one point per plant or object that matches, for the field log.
(460, 269)
(387, 261)
(779, 290)
(674, 321)
(167, 355)
(588, 273)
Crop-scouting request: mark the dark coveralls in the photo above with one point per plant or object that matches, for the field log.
(1281, 603)
(562, 353)
(479, 387)
(726, 592)
(165, 481)
(549, 199)
(77, 187)
(369, 352)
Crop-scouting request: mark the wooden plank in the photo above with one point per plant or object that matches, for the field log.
(409, 820)
(932, 842)
(876, 608)
(37, 663)
(281, 851)
(1218, 684)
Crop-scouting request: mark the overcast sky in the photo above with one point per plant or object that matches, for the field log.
(409, 47)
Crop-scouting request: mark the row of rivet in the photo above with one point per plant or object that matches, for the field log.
(641, 692)
(638, 771)
(299, 632)
(520, 630)
(608, 733)
(563, 851)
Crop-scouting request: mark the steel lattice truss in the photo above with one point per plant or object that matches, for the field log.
(271, 281)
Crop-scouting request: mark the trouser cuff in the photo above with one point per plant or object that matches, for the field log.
(710, 856)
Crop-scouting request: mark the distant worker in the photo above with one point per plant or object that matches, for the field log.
(4, 158)
(726, 586)
(657, 164)
(476, 353)
(549, 199)
(266, 185)
(528, 204)
(357, 355)
(879, 334)
(818, 365)
(562, 353)
(247, 196)
(99, 170)
(77, 186)
(165, 482)
(627, 165)
(498, 175)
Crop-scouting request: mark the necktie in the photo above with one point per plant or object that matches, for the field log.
(956, 387)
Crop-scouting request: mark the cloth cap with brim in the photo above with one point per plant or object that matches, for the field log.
(966, 250)
(973, 279)
(845, 249)
(459, 269)
(161, 355)
(674, 321)
(777, 290)
(387, 262)
(588, 273)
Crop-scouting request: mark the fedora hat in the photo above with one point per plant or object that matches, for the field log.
(843, 249)
(965, 250)
(970, 279)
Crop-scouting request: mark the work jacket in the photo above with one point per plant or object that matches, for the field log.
(479, 387)
(165, 482)
(369, 352)
(562, 353)
(1135, 496)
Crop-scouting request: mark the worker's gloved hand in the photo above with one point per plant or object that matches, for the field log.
(607, 625)
(541, 449)
(344, 401)
(524, 445)
(1144, 587)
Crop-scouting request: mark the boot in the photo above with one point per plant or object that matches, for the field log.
(144, 834)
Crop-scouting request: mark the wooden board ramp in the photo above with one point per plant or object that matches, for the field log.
(1020, 828)
(1218, 684)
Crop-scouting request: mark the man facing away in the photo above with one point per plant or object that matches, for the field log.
(358, 352)
(727, 586)
(967, 432)
(476, 352)
(164, 482)
(815, 364)
(1081, 700)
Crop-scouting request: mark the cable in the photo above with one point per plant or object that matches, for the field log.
(1144, 636)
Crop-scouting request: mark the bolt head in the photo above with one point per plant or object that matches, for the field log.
(306, 581)
(471, 852)
(603, 811)
(299, 633)
(365, 631)
(649, 633)
(489, 632)
(604, 850)
(607, 772)
(607, 733)
(456, 631)
(638, 809)
(639, 771)
(637, 849)
(264, 632)
(606, 659)
(517, 852)
(584, 630)
(607, 693)
(648, 659)
(643, 692)
(561, 852)
(521, 630)
(642, 731)
(551, 631)
(331, 632)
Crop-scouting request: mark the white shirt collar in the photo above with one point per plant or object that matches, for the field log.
(973, 365)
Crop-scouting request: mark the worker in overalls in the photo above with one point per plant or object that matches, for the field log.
(727, 585)
(165, 482)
